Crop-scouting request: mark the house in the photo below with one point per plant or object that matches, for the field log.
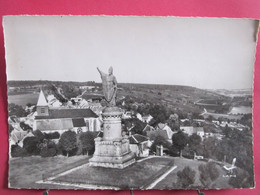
(53, 101)
(147, 118)
(140, 145)
(127, 115)
(191, 130)
(148, 128)
(49, 119)
(162, 130)
(166, 128)
(139, 116)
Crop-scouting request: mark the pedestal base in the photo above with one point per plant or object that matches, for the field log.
(112, 154)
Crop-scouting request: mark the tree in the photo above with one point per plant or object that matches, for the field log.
(242, 180)
(208, 173)
(17, 151)
(16, 110)
(194, 142)
(54, 135)
(179, 141)
(186, 177)
(159, 140)
(87, 142)
(39, 135)
(48, 148)
(209, 118)
(159, 113)
(68, 142)
(31, 145)
(135, 124)
(210, 147)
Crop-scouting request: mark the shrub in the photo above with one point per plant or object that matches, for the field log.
(242, 180)
(38, 134)
(17, 151)
(47, 148)
(48, 152)
(186, 177)
(54, 135)
(30, 144)
(160, 140)
(213, 171)
(208, 173)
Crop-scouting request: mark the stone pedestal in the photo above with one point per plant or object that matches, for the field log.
(112, 150)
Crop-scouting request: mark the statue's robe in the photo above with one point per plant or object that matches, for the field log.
(109, 84)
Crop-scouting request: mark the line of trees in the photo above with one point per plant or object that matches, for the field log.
(69, 144)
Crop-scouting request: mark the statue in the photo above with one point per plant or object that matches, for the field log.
(112, 150)
(109, 84)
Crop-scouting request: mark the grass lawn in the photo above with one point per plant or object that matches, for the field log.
(170, 181)
(24, 172)
(137, 175)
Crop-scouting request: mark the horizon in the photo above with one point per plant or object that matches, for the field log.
(130, 83)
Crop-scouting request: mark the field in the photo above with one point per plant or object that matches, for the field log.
(241, 110)
(23, 99)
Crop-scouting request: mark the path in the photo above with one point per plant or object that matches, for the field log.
(151, 186)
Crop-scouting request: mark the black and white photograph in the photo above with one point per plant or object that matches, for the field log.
(130, 102)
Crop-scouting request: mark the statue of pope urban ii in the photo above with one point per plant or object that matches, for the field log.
(109, 84)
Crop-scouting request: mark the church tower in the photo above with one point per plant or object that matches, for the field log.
(42, 106)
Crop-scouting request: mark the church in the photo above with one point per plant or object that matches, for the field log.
(50, 119)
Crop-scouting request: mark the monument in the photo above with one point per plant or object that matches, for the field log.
(112, 150)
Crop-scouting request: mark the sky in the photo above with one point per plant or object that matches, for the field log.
(208, 53)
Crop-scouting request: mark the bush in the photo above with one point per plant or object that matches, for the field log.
(48, 152)
(54, 135)
(38, 134)
(30, 144)
(242, 180)
(186, 177)
(208, 173)
(160, 140)
(17, 151)
(213, 171)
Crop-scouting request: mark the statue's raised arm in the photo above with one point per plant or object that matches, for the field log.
(100, 72)
(109, 84)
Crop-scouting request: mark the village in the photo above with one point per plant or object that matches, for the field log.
(60, 123)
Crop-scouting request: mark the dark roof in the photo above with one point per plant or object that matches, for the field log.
(148, 128)
(78, 122)
(68, 113)
(137, 138)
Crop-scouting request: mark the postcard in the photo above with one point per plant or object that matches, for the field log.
(130, 102)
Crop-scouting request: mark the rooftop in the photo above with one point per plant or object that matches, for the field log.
(42, 100)
(68, 113)
(136, 139)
